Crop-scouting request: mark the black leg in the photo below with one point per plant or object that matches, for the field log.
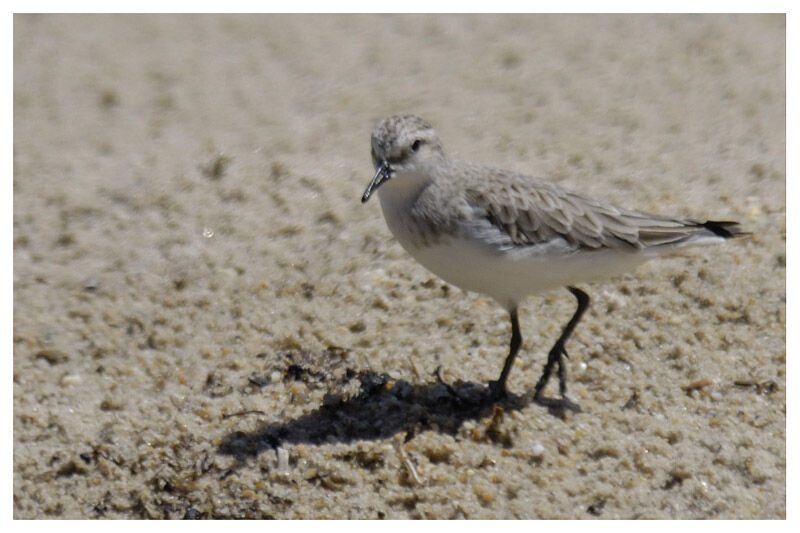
(557, 355)
(498, 388)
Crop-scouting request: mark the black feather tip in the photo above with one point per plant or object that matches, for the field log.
(723, 228)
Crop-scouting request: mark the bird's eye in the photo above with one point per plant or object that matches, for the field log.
(416, 145)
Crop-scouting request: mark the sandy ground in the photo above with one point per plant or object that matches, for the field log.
(209, 324)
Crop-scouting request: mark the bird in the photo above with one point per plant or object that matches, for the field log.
(508, 235)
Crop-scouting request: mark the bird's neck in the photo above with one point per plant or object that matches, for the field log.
(403, 189)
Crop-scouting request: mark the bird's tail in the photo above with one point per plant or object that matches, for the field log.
(659, 234)
(724, 228)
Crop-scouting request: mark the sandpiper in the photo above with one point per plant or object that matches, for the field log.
(508, 235)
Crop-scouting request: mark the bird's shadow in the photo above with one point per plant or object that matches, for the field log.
(381, 407)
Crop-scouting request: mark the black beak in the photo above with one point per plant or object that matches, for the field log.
(381, 176)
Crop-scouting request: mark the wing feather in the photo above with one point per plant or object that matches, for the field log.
(531, 212)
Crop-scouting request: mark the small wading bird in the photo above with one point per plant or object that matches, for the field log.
(508, 235)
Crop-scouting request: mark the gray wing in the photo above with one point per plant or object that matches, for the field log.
(530, 212)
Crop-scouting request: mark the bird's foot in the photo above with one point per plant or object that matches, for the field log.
(497, 390)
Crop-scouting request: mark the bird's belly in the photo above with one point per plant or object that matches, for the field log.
(509, 277)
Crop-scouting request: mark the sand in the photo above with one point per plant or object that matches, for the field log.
(209, 324)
